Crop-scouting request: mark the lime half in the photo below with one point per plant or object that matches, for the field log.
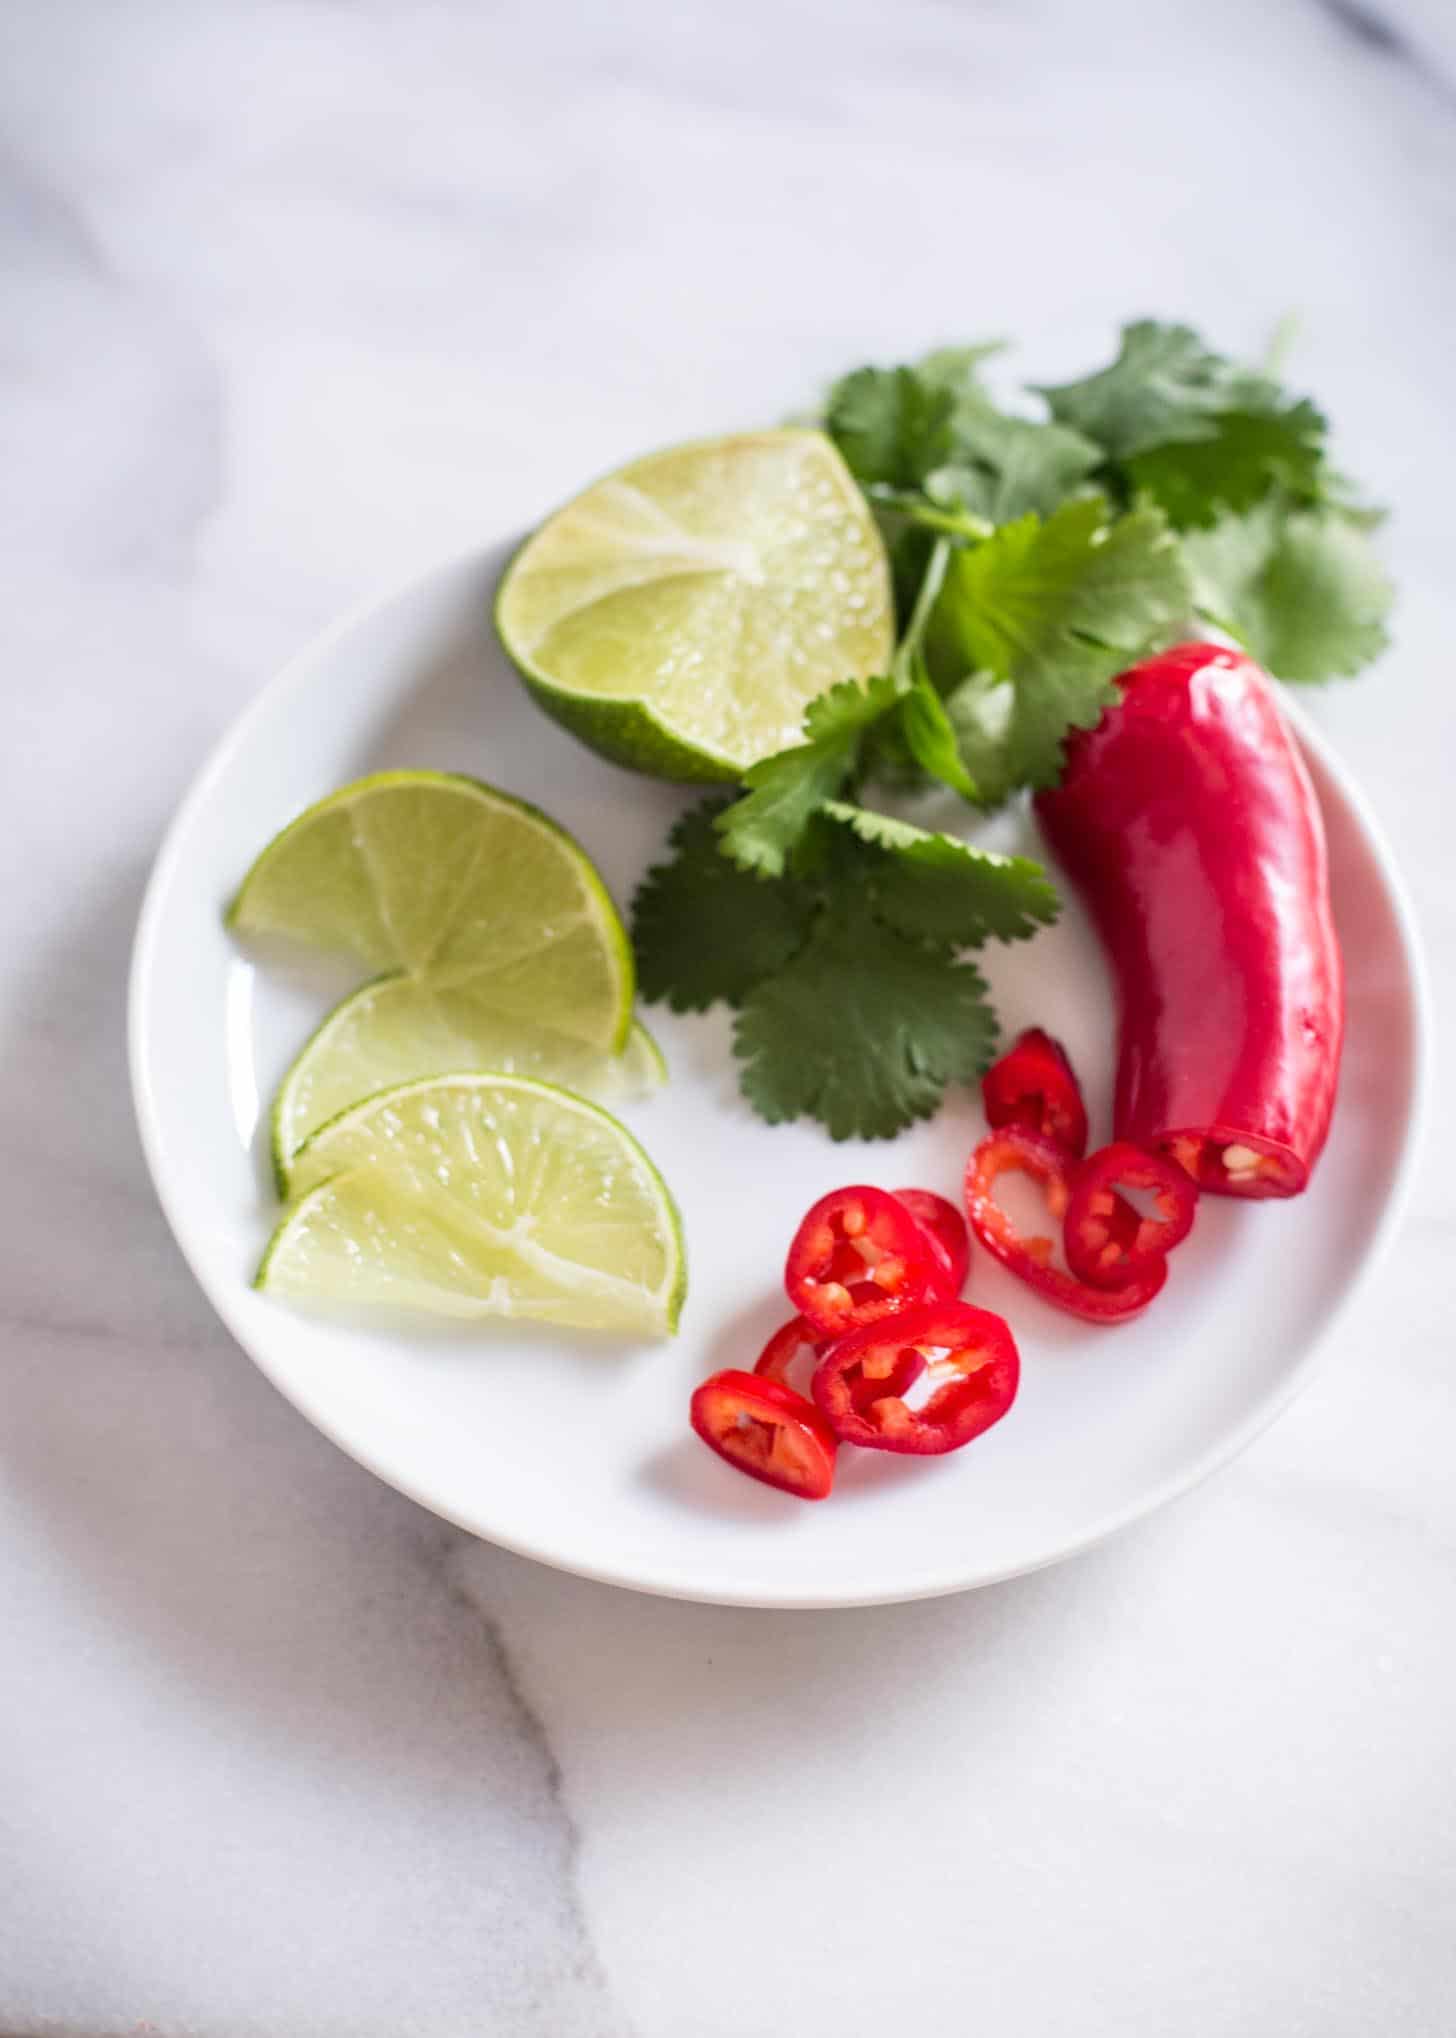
(400, 1028)
(482, 1196)
(680, 615)
(449, 880)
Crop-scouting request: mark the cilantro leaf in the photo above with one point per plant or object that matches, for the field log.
(1165, 385)
(1302, 589)
(894, 425)
(1075, 576)
(761, 829)
(979, 711)
(889, 761)
(1055, 609)
(1196, 433)
(941, 889)
(704, 930)
(891, 424)
(848, 709)
(862, 1030)
(958, 369)
(1248, 454)
(1002, 466)
(931, 740)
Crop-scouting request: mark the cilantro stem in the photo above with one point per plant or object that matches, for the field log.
(952, 523)
(908, 650)
(931, 516)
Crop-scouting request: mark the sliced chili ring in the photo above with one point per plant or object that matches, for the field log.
(944, 1226)
(1033, 1084)
(1108, 1242)
(784, 1347)
(973, 1365)
(799, 1335)
(766, 1430)
(1015, 1150)
(858, 1255)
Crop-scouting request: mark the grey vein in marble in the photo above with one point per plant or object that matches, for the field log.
(1383, 37)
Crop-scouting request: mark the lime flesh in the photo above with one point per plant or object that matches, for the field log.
(400, 1028)
(482, 1196)
(680, 615)
(451, 881)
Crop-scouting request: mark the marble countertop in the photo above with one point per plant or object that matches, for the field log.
(299, 295)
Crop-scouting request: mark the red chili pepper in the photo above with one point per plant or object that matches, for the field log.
(1033, 1085)
(1110, 1243)
(858, 1255)
(767, 1431)
(944, 1226)
(972, 1360)
(1188, 822)
(1014, 1149)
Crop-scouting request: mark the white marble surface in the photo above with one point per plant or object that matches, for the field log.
(297, 296)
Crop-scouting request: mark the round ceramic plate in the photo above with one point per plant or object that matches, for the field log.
(580, 1454)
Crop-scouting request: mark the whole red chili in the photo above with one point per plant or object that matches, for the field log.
(1015, 1150)
(857, 1256)
(766, 1430)
(1108, 1241)
(971, 1360)
(944, 1226)
(1187, 820)
(1033, 1085)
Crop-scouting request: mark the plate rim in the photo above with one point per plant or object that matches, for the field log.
(292, 675)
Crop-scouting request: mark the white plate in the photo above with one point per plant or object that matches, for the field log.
(583, 1457)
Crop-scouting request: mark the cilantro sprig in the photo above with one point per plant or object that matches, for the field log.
(1036, 554)
(1232, 461)
(855, 1002)
(863, 1029)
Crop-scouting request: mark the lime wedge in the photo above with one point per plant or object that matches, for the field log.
(482, 1196)
(400, 1028)
(680, 615)
(445, 878)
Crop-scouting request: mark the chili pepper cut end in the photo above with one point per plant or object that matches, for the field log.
(1226, 1162)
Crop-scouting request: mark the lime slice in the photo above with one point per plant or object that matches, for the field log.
(480, 1196)
(400, 1028)
(444, 877)
(680, 615)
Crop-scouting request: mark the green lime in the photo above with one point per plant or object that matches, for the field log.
(482, 1195)
(449, 880)
(680, 615)
(400, 1028)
